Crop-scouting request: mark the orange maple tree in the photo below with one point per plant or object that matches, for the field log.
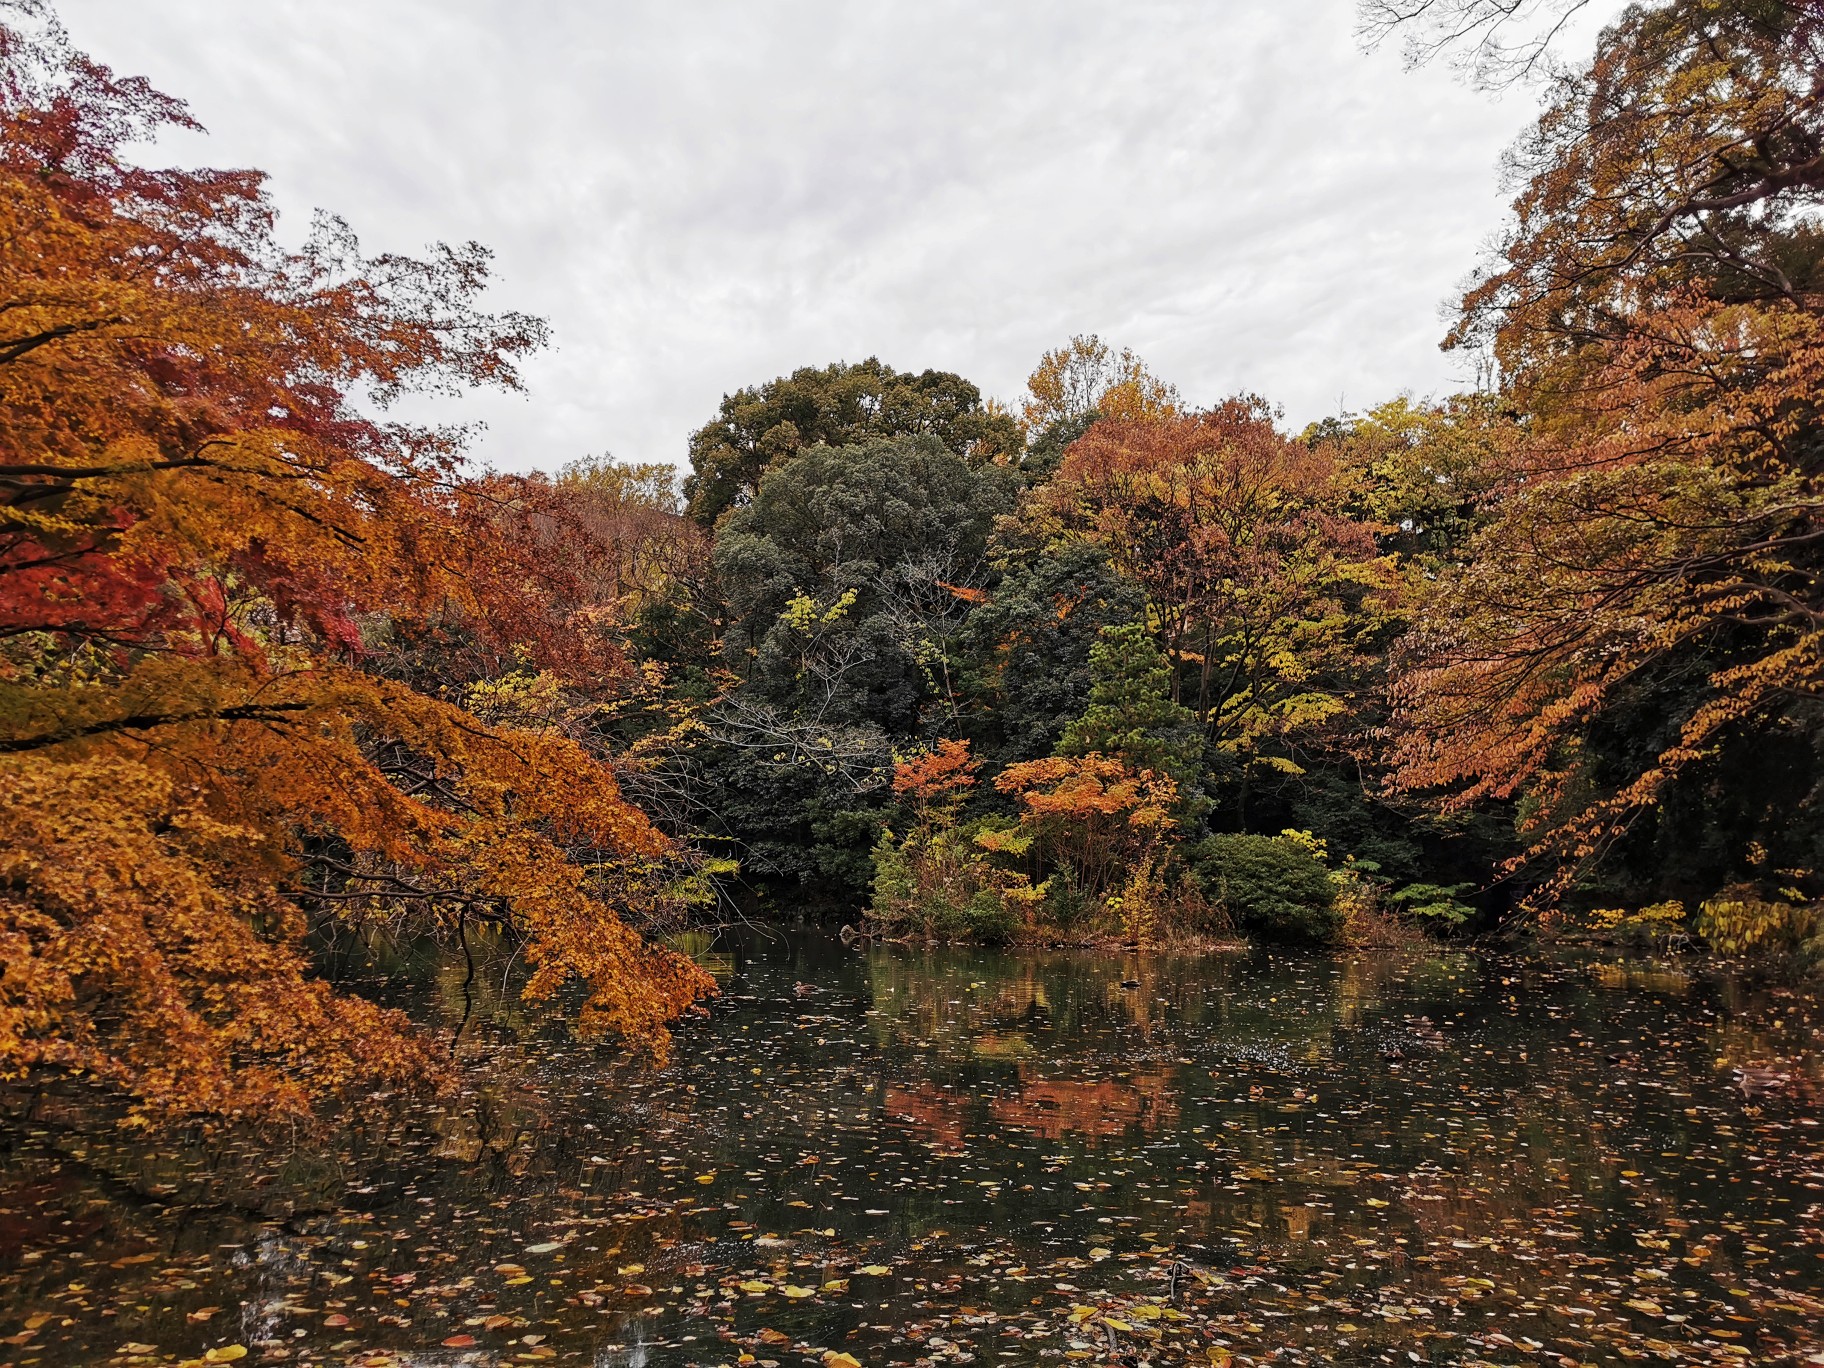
(1091, 814)
(211, 535)
(935, 781)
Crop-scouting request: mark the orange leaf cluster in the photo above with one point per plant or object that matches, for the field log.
(1090, 813)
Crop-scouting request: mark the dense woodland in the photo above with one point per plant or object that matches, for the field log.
(1109, 663)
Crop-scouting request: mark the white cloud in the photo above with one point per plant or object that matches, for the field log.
(702, 194)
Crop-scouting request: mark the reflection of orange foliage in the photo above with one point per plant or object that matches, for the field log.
(931, 1112)
(1051, 1107)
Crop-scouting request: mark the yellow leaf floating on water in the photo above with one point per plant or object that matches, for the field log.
(834, 1359)
(226, 1353)
(875, 1270)
(1376, 1202)
(755, 1285)
(797, 1292)
(706, 1177)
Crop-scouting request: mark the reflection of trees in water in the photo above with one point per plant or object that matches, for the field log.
(1053, 1107)
(949, 997)
(934, 1114)
(1048, 1106)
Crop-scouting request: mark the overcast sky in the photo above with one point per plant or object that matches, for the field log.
(701, 195)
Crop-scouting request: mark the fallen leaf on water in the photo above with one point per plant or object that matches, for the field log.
(459, 1342)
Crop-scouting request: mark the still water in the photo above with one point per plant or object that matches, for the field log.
(909, 1156)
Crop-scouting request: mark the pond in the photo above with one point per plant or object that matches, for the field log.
(955, 1155)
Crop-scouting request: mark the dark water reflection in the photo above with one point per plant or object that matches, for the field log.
(955, 1155)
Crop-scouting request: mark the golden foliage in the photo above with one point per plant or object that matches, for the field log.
(1087, 376)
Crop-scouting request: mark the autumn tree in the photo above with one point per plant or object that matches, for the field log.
(1640, 625)
(1251, 571)
(934, 782)
(206, 531)
(1087, 376)
(1092, 815)
(1423, 475)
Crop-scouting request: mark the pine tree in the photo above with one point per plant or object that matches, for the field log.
(1131, 716)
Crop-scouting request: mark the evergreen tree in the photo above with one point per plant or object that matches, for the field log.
(1131, 716)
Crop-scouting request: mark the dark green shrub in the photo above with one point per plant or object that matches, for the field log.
(1067, 906)
(1271, 885)
(989, 920)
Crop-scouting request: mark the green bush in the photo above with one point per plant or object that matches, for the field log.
(1271, 885)
(989, 920)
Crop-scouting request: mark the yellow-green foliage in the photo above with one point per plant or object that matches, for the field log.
(1739, 920)
(1658, 917)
